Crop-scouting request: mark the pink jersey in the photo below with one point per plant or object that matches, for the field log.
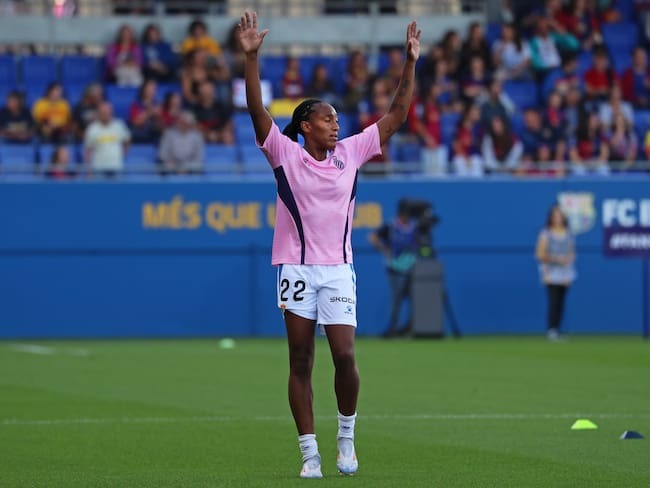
(315, 203)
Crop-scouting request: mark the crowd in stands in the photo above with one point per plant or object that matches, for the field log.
(552, 89)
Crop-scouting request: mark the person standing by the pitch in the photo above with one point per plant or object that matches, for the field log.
(316, 186)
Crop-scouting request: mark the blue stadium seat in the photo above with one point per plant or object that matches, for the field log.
(620, 36)
(80, 70)
(17, 154)
(523, 93)
(621, 60)
(8, 71)
(626, 9)
(253, 160)
(165, 88)
(348, 125)
(585, 62)
(121, 97)
(448, 124)
(73, 92)
(408, 152)
(641, 124)
(549, 83)
(45, 151)
(272, 69)
(33, 91)
(282, 122)
(142, 155)
(492, 32)
(243, 126)
(38, 70)
(220, 158)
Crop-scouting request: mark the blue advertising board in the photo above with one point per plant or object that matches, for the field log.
(133, 259)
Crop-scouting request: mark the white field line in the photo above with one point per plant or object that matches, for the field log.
(32, 349)
(279, 418)
(48, 351)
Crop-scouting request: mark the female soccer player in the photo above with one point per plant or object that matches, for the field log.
(316, 187)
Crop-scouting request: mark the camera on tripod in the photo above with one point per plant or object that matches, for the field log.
(424, 214)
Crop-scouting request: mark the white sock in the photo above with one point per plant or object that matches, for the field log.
(346, 426)
(308, 446)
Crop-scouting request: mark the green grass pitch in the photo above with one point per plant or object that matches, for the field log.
(479, 412)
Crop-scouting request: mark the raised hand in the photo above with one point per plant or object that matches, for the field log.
(413, 41)
(249, 39)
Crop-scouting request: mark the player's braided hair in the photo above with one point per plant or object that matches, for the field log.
(302, 112)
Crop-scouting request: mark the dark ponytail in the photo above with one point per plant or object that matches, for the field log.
(301, 113)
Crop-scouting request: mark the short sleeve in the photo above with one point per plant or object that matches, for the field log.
(365, 145)
(276, 146)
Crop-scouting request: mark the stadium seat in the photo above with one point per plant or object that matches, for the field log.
(621, 60)
(17, 155)
(143, 155)
(585, 61)
(253, 160)
(492, 32)
(243, 126)
(73, 92)
(121, 97)
(641, 124)
(220, 158)
(448, 123)
(39, 70)
(8, 71)
(523, 93)
(549, 83)
(620, 36)
(44, 153)
(348, 125)
(165, 88)
(408, 152)
(272, 69)
(80, 70)
(33, 91)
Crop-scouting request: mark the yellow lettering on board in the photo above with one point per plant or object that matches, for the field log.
(367, 216)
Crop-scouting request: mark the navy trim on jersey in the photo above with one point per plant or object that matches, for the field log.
(286, 195)
(347, 219)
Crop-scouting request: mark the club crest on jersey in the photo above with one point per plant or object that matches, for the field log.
(338, 163)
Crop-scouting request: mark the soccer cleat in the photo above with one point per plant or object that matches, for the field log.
(346, 461)
(311, 468)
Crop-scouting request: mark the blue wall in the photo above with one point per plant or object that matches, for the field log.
(119, 259)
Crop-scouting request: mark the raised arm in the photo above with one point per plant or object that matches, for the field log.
(399, 107)
(251, 41)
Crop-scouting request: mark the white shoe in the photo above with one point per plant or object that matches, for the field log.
(311, 468)
(347, 457)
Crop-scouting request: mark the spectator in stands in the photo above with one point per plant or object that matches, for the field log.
(369, 113)
(540, 147)
(145, 115)
(545, 55)
(600, 78)
(623, 142)
(475, 46)
(321, 86)
(579, 19)
(615, 105)
(16, 123)
(500, 148)
(233, 54)
(159, 61)
(474, 83)
(393, 71)
(451, 45)
(199, 39)
(182, 146)
(124, 59)
(574, 109)
(105, 142)
(357, 80)
(568, 77)
(554, 123)
(171, 109)
(590, 150)
(635, 81)
(213, 116)
(424, 122)
(291, 85)
(52, 115)
(495, 103)
(448, 96)
(427, 66)
(85, 112)
(510, 55)
(195, 71)
(58, 165)
(467, 160)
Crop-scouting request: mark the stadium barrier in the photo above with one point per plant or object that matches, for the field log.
(179, 258)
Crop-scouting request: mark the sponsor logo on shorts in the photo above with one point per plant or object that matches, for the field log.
(342, 300)
(348, 310)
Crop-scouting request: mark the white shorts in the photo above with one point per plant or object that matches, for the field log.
(324, 293)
